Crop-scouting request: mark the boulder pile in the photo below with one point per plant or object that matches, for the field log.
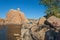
(31, 29)
(39, 32)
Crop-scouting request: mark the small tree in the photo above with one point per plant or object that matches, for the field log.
(53, 7)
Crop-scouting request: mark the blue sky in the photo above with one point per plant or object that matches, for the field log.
(31, 8)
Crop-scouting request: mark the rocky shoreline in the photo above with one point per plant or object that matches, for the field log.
(21, 28)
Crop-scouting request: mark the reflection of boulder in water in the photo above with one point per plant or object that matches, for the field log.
(2, 21)
(13, 29)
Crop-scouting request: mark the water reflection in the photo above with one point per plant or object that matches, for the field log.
(3, 33)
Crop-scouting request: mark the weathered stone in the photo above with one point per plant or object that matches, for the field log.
(39, 31)
(41, 21)
(42, 33)
(27, 31)
(25, 34)
(54, 21)
(13, 16)
(23, 18)
(27, 26)
(35, 28)
(16, 17)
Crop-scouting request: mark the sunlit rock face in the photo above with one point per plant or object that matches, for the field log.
(15, 17)
(23, 18)
(54, 21)
(41, 21)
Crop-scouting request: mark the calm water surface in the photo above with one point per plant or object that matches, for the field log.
(3, 33)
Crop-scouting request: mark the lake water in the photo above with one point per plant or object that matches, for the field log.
(3, 33)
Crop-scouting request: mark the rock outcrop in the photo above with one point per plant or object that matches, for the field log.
(54, 21)
(16, 17)
(23, 18)
(25, 34)
(34, 32)
(41, 21)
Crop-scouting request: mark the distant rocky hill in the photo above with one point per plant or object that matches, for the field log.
(15, 17)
